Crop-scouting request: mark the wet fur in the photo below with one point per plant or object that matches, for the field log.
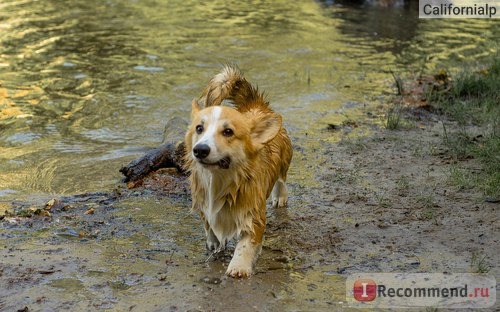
(232, 201)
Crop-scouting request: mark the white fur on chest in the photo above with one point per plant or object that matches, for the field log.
(225, 218)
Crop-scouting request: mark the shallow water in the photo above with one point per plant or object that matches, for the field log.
(85, 87)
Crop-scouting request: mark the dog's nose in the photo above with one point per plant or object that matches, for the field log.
(201, 151)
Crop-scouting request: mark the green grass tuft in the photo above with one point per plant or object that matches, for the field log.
(403, 185)
(462, 178)
(479, 264)
(398, 82)
(473, 101)
(394, 118)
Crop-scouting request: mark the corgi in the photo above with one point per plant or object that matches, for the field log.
(237, 156)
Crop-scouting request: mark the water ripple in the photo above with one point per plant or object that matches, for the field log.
(84, 83)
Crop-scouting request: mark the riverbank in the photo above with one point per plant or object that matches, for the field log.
(394, 200)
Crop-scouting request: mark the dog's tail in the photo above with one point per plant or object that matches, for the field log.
(230, 84)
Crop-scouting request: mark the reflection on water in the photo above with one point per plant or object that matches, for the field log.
(87, 86)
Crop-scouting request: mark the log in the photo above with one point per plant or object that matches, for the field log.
(167, 155)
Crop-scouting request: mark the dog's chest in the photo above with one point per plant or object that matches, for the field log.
(220, 207)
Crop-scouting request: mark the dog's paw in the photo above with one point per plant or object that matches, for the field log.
(213, 243)
(212, 246)
(215, 246)
(280, 202)
(239, 270)
(279, 194)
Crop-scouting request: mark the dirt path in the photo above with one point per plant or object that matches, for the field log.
(383, 201)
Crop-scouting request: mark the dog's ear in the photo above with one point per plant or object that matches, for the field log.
(265, 129)
(195, 108)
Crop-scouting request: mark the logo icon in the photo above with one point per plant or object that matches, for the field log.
(365, 290)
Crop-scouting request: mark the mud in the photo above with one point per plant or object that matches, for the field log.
(363, 199)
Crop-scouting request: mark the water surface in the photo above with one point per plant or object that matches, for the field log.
(87, 86)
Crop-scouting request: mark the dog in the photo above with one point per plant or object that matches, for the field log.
(237, 156)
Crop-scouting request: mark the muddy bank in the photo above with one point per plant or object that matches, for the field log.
(377, 202)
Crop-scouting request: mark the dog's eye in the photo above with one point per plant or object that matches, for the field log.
(227, 132)
(199, 129)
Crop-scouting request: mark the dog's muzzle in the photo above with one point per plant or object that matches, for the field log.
(201, 152)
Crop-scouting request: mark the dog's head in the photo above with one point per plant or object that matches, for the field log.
(221, 137)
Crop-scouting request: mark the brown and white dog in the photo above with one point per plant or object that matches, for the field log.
(237, 157)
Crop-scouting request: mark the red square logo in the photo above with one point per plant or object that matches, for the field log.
(365, 290)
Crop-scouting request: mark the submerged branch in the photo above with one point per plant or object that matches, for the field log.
(167, 155)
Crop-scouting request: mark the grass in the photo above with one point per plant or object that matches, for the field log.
(479, 264)
(473, 101)
(488, 152)
(458, 142)
(462, 178)
(354, 146)
(428, 214)
(428, 208)
(394, 118)
(382, 200)
(426, 201)
(403, 185)
(398, 82)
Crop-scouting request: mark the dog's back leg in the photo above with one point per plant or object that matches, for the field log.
(279, 195)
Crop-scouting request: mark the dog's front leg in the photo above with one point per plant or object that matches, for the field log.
(212, 243)
(247, 251)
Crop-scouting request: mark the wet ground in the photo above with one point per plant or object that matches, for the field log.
(380, 203)
(87, 88)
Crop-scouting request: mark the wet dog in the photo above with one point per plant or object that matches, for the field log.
(237, 157)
